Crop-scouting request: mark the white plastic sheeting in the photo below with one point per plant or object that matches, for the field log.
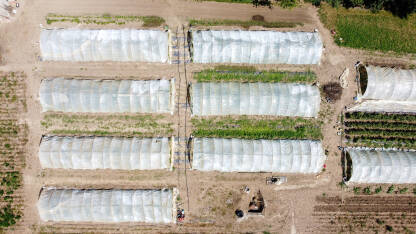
(258, 47)
(105, 153)
(237, 155)
(388, 90)
(390, 84)
(230, 98)
(73, 205)
(135, 96)
(382, 166)
(385, 106)
(4, 12)
(83, 45)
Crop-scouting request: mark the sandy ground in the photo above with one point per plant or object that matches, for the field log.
(213, 196)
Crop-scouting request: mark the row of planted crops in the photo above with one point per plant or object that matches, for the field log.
(380, 130)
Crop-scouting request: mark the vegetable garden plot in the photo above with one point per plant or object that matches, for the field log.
(255, 99)
(150, 206)
(125, 45)
(105, 153)
(134, 96)
(256, 47)
(236, 155)
(382, 166)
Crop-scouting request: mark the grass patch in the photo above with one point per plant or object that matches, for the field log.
(245, 128)
(148, 21)
(363, 29)
(250, 74)
(107, 125)
(243, 24)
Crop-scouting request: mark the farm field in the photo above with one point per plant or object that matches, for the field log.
(316, 202)
(357, 28)
(13, 140)
(365, 214)
(380, 130)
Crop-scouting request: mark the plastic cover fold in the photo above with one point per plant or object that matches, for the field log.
(73, 205)
(85, 45)
(135, 96)
(237, 155)
(256, 47)
(382, 166)
(233, 98)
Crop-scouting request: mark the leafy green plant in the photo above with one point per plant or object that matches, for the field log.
(390, 189)
(403, 190)
(378, 190)
(367, 191)
(357, 190)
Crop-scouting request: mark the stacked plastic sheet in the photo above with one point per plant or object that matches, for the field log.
(258, 47)
(237, 155)
(4, 13)
(150, 206)
(84, 45)
(135, 96)
(389, 90)
(231, 98)
(105, 153)
(382, 166)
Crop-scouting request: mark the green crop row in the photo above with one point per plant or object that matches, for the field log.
(376, 142)
(254, 76)
(243, 127)
(244, 24)
(106, 125)
(380, 116)
(381, 133)
(380, 125)
(148, 21)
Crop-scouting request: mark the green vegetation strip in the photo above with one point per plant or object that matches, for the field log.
(107, 125)
(358, 28)
(382, 133)
(378, 142)
(245, 128)
(380, 125)
(244, 24)
(221, 74)
(148, 21)
(379, 117)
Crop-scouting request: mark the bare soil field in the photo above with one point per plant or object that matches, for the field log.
(209, 198)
